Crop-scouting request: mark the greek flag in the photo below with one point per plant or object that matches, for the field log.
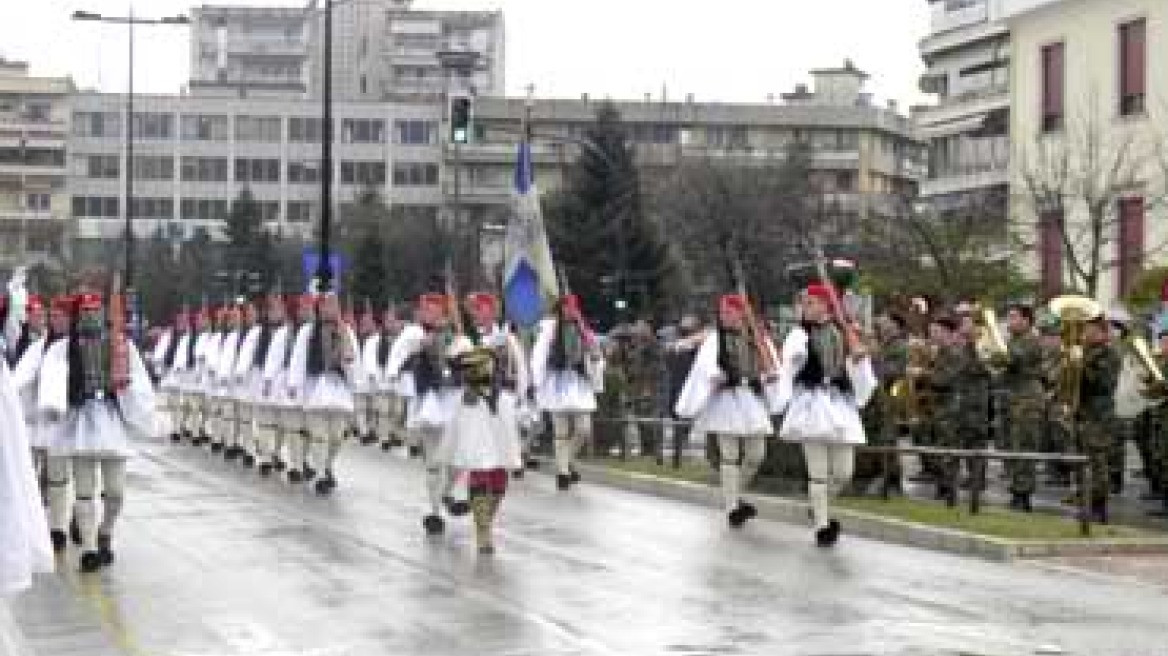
(529, 279)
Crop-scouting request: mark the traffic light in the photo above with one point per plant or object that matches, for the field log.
(460, 120)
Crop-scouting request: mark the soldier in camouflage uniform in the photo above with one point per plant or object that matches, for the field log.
(1158, 467)
(1056, 425)
(958, 381)
(882, 421)
(1022, 379)
(1095, 419)
(644, 377)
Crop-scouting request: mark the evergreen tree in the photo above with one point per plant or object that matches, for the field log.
(250, 246)
(608, 247)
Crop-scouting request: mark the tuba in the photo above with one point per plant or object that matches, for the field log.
(990, 345)
(920, 355)
(1073, 312)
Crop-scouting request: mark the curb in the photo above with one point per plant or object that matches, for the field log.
(885, 529)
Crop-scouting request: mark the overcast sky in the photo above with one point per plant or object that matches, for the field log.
(733, 50)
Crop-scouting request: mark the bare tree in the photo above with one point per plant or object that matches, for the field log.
(1073, 184)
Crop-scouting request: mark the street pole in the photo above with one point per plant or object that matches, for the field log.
(324, 270)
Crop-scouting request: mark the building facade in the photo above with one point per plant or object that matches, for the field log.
(967, 58)
(1089, 129)
(866, 157)
(34, 202)
(194, 154)
(383, 50)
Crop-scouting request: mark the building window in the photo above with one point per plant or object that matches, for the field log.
(269, 211)
(37, 202)
(153, 126)
(152, 208)
(105, 167)
(257, 170)
(153, 167)
(1131, 242)
(266, 129)
(299, 211)
(97, 124)
(1050, 249)
(304, 171)
(413, 132)
(203, 209)
(360, 130)
(363, 173)
(105, 207)
(415, 174)
(1132, 67)
(204, 169)
(304, 129)
(364, 83)
(1053, 87)
(204, 127)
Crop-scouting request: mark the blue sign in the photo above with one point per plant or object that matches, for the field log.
(311, 263)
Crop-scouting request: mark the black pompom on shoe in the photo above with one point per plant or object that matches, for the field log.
(105, 550)
(433, 524)
(748, 509)
(175, 437)
(517, 474)
(415, 451)
(309, 473)
(326, 485)
(369, 438)
(216, 447)
(265, 469)
(563, 482)
(248, 460)
(737, 517)
(280, 465)
(458, 508)
(829, 535)
(574, 475)
(387, 446)
(294, 476)
(90, 562)
(60, 540)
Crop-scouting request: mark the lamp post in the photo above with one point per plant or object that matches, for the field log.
(128, 207)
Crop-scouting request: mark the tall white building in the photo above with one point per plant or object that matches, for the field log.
(383, 50)
(967, 54)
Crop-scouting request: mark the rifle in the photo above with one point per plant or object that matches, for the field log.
(854, 340)
(452, 296)
(758, 335)
(119, 365)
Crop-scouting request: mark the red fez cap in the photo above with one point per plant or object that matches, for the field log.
(732, 303)
(432, 301)
(182, 316)
(35, 303)
(307, 300)
(570, 302)
(825, 293)
(88, 302)
(482, 301)
(63, 303)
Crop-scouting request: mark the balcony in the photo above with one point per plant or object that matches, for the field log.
(959, 37)
(267, 48)
(966, 180)
(975, 103)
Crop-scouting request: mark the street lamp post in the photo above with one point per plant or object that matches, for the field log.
(324, 268)
(128, 208)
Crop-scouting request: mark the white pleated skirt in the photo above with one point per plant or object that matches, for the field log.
(736, 411)
(477, 439)
(822, 416)
(434, 409)
(95, 429)
(328, 392)
(566, 391)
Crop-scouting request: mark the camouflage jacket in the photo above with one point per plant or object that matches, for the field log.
(959, 382)
(1024, 373)
(1101, 366)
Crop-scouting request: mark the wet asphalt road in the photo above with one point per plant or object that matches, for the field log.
(213, 561)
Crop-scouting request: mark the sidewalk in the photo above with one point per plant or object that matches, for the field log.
(53, 619)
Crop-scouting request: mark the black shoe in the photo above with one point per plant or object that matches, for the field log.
(458, 508)
(370, 438)
(265, 469)
(280, 465)
(231, 453)
(185, 434)
(517, 474)
(563, 482)
(326, 485)
(433, 524)
(216, 447)
(1099, 513)
(748, 509)
(487, 550)
(415, 451)
(60, 540)
(387, 446)
(309, 473)
(175, 437)
(90, 562)
(1020, 501)
(829, 535)
(737, 517)
(75, 532)
(294, 476)
(574, 475)
(1116, 481)
(531, 464)
(105, 550)
(248, 460)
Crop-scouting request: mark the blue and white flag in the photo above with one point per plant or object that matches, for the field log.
(529, 279)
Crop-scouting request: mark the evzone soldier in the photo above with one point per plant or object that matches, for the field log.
(276, 415)
(249, 382)
(390, 399)
(368, 386)
(321, 377)
(209, 348)
(567, 372)
(34, 337)
(422, 352)
(293, 417)
(170, 363)
(482, 442)
(827, 375)
(196, 403)
(726, 394)
(226, 401)
(95, 384)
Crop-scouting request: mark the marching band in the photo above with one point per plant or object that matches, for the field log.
(284, 388)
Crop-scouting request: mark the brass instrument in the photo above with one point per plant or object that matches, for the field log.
(908, 390)
(990, 345)
(1073, 313)
(1154, 382)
